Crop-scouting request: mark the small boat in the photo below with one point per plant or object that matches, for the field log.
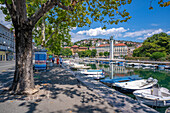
(136, 64)
(155, 96)
(121, 63)
(161, 67)
(167, 67)
(136, 85)
(105, 62)
(146, 65)
(129, 64)
(79, 66)
(96, 76)
(91, 72)
(121, 79)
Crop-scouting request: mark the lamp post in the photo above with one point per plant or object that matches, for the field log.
(5, 50)
(9, 54)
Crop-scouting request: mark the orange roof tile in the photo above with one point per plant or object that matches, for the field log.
(120, 44)
(75, 46)
(104, 45)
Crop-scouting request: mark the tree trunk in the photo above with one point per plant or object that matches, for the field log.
(23, 82)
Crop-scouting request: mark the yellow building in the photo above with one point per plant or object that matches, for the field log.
(76, 49)
(2, 56)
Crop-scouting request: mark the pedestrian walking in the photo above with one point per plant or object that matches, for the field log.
(53, 59)
(61, 61)
(57, 60)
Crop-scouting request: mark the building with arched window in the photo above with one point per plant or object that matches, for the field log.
(119, 49)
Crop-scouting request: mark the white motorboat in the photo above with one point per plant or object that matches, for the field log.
(96, 76)
(79, 66)
(154, 96)
(136, 85)
(91, 72)
(146, 65)
(129, 64)
(136, 64)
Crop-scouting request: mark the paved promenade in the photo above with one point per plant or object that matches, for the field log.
(61, 92)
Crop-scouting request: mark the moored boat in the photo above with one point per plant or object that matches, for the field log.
(154, 96)
(96, 76)
(121, 79)
(146, 65)
(167, 67)
(91, 72)
(136, 85)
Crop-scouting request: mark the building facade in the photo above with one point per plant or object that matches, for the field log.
(7, 44)
(76, 49)
(119, 49)
(130, 51)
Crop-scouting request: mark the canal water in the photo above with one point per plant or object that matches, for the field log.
(112, 71)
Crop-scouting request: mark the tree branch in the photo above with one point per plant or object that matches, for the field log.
(45, 8)
(11, 8)
(17, 11)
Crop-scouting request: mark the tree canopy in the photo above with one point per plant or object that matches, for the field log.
(66, 52)
(156, 43)
(101, 54)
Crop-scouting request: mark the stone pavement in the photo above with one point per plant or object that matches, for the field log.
(60, 92)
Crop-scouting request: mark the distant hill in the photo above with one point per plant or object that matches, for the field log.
(97, 41)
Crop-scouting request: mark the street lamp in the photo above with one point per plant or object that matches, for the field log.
(5, 50)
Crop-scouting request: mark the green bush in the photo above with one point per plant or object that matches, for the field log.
(137, 58)
(157, 55)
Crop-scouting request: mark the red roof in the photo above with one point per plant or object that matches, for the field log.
(104, 45)
(83, 48)
(120, 44)
(75, 46)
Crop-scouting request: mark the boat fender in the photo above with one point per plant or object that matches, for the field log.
(150, 79)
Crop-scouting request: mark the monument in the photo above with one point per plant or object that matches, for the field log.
(111, 48)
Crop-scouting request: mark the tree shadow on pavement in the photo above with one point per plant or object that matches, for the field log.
(58, 84)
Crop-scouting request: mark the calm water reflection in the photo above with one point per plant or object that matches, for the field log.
(113, 71)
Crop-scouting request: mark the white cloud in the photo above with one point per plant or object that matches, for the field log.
(137, 33)
(140, 38)
(145, 33)
(100, 31)
(76, 37)
(153, 32)
(2, 19)
(168, 32)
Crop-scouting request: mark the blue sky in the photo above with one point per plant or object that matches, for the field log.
(144, 23)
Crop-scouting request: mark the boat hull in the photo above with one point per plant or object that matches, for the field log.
(158, 103)
(127, 90)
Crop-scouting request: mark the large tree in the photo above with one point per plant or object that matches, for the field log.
(25, 16)
(156, 43)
